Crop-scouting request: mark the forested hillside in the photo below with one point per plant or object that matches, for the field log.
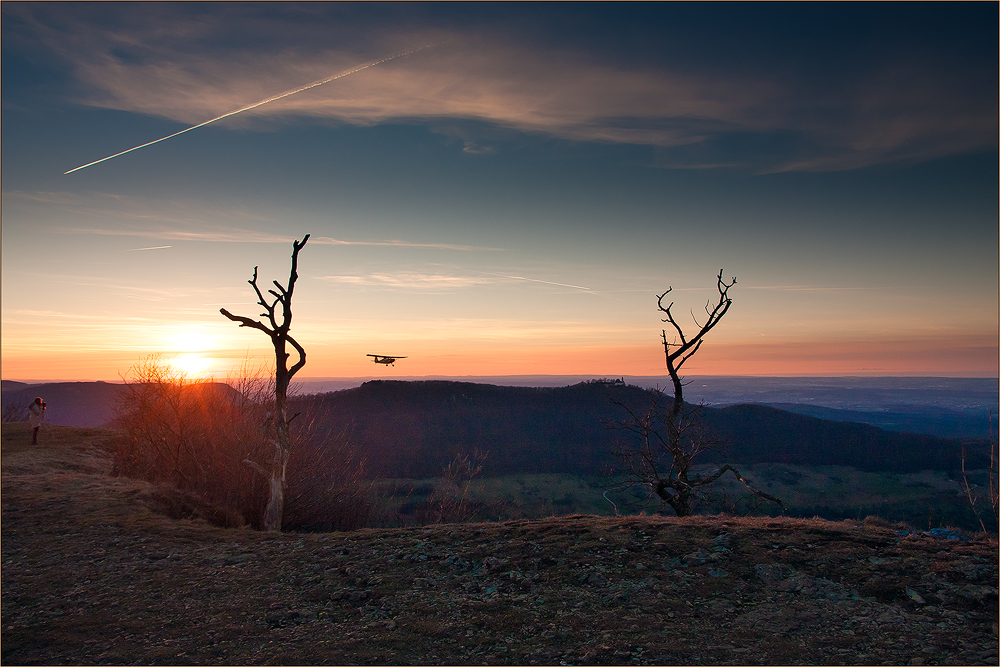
(413, 429)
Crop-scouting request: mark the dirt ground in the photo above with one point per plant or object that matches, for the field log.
(95, 571)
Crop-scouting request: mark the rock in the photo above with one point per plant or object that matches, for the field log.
(892, 617)
(721, 543)
(597, 579)
(698, 557)
(671, 563)
(492, 562)
(976, 594)
(773, 573)
(945, 534)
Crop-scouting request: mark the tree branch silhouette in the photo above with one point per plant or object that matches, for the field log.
(278, 313)
(670, 438)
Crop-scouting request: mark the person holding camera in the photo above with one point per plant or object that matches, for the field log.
(36, 414)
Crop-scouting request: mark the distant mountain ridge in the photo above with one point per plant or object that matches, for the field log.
(908, 418)
(413, 429)
(848, 393)
(81, 404)
(85, 404)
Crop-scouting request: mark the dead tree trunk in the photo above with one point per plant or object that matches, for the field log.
(670, 439)
(279, 320)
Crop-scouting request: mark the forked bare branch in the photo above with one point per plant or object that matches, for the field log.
(668, 439)
(278, 332)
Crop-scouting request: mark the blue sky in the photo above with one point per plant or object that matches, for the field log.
(510, 199)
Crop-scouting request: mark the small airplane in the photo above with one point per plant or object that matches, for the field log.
(385, 359)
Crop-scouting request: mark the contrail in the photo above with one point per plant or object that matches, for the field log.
(535, 280)
(257, 104)
(156, 247)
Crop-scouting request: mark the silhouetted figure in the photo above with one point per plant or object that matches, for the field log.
(36, 415)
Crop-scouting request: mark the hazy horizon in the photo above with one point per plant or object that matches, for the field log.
(546, 378)
(501, 189)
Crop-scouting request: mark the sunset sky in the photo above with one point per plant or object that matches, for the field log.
(510, 199)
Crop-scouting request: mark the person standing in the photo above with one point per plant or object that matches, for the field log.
(36, 414)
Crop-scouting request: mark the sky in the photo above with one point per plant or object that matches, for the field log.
(508, 193)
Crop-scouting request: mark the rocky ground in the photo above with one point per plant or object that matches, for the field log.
(95, 570)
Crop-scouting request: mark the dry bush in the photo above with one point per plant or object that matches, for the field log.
(15, 411)
(210, 439)
(327, 490)
(451, 499)
(176, 504)
(192, 435)
(974, 494)
(450, 502)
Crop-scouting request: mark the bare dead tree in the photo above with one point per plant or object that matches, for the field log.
(670, 433)
(278, 314)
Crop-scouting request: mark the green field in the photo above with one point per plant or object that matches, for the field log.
(928, 499)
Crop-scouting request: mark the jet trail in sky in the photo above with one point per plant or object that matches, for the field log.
(535, 280)
(257, 104)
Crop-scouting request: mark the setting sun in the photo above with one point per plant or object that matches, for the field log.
(191, 351)
(193, 365)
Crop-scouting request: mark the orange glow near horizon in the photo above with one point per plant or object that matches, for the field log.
(195, 365)
(973, 356)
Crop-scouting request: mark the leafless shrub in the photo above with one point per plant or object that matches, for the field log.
(450, 501)
(974, 494)
(327, 489)
(15, 411)
(204, 438)
(190, 434)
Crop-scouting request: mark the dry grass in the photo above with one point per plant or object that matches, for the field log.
(95, 571)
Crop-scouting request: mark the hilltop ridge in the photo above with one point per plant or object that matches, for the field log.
(412, 429)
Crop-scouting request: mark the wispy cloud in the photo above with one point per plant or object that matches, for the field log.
(325, 240)
(169, 65)
(805, 288)
(408, 280)
(525, 90)
(223, 235)
(438, 281)
(112, 206)
(234, 235)
(185, 221)
(63, 315)
(122, 287)
(547, 332)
